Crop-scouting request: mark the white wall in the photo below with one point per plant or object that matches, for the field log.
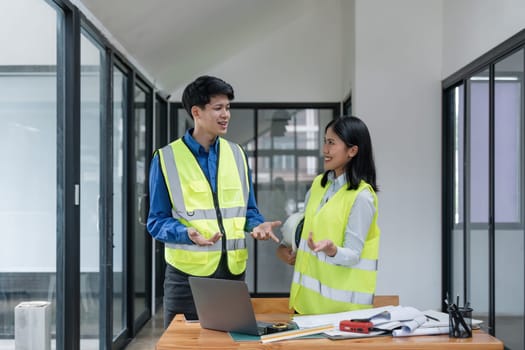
(348, 47)
(473, 27)
(397, 92)
(300, 60)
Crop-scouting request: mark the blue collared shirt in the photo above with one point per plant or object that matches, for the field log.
(161, 225)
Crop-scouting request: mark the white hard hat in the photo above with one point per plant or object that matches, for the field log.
(290, 227)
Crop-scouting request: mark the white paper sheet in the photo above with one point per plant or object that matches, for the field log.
(334, 318)
(404, 332)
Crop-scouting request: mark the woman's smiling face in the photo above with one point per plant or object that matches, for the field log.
(336, 153)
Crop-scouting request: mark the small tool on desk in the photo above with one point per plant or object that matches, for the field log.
(355, 326)
(279, 327)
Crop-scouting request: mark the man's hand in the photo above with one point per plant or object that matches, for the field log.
(265, 231)
(286, 254)
(326, 246)
(198, 239)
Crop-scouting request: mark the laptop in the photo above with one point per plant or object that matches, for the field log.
(225, 305)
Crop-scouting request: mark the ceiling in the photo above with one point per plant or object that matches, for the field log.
(174, 41)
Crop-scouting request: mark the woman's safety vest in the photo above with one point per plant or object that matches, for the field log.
(320, 286)
(195, 205)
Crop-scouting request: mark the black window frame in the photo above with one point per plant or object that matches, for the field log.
(461, 77)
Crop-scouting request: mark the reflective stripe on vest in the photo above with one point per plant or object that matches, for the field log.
(363, 264)
(231, 244)
(331, 293)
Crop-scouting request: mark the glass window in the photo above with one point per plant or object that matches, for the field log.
(160, 123)
(90, 113)
(288, 155)
(477, 236)
(487, 236)
(456, 99)
(508, 176)
(120, 81)
(141, 248)
(508, 147)
(184, 122)
(241, 130)
(479, 146)
(458, 108)
(28, 150)
(160, 139)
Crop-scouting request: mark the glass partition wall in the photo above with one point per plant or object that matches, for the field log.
(28, 152)
(90, 196)
(140, 240)
(288, 150)
(160, 139)
(508, 165)
(483, 162)
(120, 295)
(67, 119)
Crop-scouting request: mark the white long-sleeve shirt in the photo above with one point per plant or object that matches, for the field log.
(359, 221)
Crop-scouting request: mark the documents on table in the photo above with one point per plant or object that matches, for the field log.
(400, 321)
(337, 334)
(440, 319)
(379, 315)
(334, 319)
(420, 331)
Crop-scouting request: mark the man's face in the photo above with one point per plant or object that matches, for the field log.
(214, 118)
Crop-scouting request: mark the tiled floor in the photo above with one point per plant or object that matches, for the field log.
(145, 340)
(149, 335)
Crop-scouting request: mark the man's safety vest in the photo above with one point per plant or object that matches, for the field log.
(320, 286)
(195, 205)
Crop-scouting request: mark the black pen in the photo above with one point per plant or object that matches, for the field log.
(459, 320)
(432, 318)
(463, 323)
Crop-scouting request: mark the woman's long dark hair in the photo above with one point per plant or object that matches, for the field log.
(353, 131)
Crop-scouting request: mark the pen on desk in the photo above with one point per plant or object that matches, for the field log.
(432, 318)
(466, 328)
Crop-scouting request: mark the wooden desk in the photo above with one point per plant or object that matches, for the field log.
(183, 335)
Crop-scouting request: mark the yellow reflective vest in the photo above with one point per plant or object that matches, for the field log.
(320, 286)
(195, 205)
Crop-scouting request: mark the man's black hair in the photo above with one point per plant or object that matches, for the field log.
(199, 92)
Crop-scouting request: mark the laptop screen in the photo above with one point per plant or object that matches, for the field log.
(223, 305)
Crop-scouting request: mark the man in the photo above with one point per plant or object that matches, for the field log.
(201, 199)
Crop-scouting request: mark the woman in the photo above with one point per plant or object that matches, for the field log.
(336, 260)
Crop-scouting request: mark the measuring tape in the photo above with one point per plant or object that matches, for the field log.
(278, 327)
